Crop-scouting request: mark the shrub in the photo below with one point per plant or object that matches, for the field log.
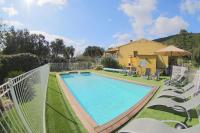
(99, 67)
(196, 56)
(84, 59)
(18, 62)
(14, 73)
(58, 59)
(110, 63)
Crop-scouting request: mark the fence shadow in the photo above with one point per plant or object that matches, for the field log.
(54, 90)
(62, 115)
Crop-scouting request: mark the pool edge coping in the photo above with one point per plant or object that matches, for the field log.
(89, 124)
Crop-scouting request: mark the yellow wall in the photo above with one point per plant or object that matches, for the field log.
(145, 50)
(151, 63)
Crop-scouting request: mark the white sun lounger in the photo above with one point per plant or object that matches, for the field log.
(147, 125)
(186, 91)
(178, 73)
(177, 106)
(183, 92)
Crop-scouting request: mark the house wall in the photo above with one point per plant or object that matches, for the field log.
(151, 63)
(145, 48)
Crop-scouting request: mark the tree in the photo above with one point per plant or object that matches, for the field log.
(69, 52)
(196, 55)
(42, 47)
(57, 47)
(93, 51)
(10, 42)
(183, 31)
(21, 41)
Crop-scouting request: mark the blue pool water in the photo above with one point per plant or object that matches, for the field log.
(103, 98)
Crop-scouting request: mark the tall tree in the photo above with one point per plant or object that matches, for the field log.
(57, 47)
(41, 46)
(69, 52)
(183, 31)
(196, 55)
(21, 41)
(66, 53)
(93, 51)
(10, 41)
(72, 51)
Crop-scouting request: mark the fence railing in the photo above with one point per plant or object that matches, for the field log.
(22, 102)
(69, 66)
(198, 90)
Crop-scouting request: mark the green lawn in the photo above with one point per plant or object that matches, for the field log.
(59, 116)
(137, 79)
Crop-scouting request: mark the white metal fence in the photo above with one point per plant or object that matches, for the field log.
(22, 102)
(69, 66)
(198, 91)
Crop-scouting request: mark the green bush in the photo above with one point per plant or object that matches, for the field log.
(99, 67)
(14, 73)
(110, 63)
(19, 62)
(57, 59)
(196, 56)
(82, 58)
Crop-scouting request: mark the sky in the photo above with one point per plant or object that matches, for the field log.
(106, 23)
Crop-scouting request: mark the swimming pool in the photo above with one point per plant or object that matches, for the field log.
(104, 98)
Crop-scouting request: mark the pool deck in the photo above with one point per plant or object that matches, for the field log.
(112, 125)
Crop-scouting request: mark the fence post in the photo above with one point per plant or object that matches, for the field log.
(10, 83)
(47, 68)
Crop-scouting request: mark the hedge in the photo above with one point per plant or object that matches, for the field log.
(17, 62)
(110, 63)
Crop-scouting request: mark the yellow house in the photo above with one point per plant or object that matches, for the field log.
(139, 55)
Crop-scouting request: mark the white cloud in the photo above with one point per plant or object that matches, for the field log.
(139, 13)
(10, 11)
(190, 6)
(79, 45)
(166, 26)
(12, 23)
(51, 2)
(2, 2)
(121, 38)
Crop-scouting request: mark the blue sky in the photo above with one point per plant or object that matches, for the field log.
(102, 22)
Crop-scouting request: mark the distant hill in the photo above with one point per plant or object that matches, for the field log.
(185, 40)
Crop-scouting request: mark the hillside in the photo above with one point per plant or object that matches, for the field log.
(185, 40)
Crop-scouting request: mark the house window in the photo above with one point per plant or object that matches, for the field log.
(135, 53)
